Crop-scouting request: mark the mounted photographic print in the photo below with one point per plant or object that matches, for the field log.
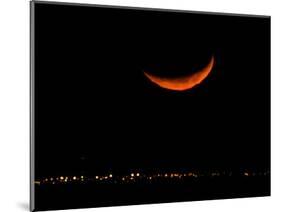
(138, 106)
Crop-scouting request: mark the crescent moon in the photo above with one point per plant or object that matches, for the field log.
(185, 82)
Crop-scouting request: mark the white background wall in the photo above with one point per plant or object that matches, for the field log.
(14, 103)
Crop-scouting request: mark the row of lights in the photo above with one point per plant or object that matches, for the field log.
(136, 175)
(61, 179)
(105, 177)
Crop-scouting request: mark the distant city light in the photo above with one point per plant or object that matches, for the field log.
(134, 177)
(37, 182)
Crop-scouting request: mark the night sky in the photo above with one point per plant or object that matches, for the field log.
(96, 111)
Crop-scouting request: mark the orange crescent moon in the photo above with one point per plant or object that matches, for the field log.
(185, 82)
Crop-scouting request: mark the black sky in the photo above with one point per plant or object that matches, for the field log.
(96, 111)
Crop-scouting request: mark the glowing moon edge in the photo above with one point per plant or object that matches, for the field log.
(184, 82)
